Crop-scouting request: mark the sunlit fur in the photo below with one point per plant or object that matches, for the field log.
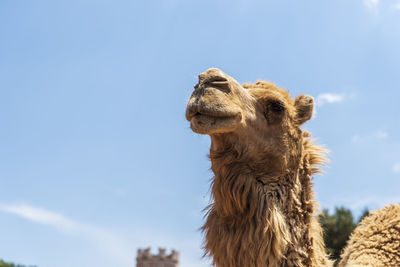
(376, 241)
(262, 213)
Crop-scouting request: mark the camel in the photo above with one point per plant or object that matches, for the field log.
(376, 241)
(262, 210)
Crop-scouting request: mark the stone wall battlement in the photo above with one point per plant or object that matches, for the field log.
(162, 259)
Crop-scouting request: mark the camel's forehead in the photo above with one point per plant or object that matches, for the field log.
(264, 90)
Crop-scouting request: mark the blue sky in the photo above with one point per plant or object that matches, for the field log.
(96, 158)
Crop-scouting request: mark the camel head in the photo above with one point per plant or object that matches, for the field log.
(255, 118)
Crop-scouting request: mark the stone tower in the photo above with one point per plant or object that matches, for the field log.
(146, 259)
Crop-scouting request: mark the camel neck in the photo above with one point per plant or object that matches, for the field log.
(245, 187)
(264, 208)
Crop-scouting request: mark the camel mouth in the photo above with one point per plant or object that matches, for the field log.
(211, 123)
(213, 114)
(216, 116)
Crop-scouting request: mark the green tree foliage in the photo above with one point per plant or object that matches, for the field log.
(5, 264)
(364, 214)
(337, 229)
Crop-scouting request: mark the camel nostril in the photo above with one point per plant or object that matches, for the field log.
(218, 79)
(219, 83)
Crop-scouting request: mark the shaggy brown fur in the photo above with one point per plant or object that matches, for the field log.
(376, 241)
(262, 210)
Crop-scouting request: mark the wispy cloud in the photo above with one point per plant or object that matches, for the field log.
(371, 3)
(377, 135)
(105, 240)
(356, 139)
(374, 5)
(40, 216)
(396, 167)
(380, 134)
(329, 98)
(119, 250)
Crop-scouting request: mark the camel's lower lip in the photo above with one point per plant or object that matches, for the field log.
(207, 124)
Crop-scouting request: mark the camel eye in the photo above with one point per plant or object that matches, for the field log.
(276, 107)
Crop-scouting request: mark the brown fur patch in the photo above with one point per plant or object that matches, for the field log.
(376, 241)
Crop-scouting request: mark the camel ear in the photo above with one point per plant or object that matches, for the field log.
(304, 105)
